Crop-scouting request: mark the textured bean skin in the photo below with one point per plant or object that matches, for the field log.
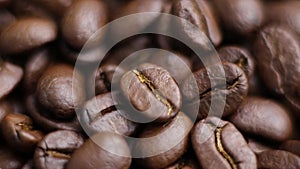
(277, 159)
(32, 33)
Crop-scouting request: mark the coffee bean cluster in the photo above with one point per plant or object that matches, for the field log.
(257, 41)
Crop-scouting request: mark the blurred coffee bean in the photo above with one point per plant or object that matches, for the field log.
(10, 76)
(240, 16)
(94, 153)
(218, 144)
(28, 165)
(59, 93)
(81, 20)
(277, 51)
(10, 160)
(235, 90)
(100, 114)
(36, 64)
(6, 18)
(277, 159)
(263, 117)
(152, 91)
(170, 140)
(26, 34)
(18, 131)
(56, 148)
(238, 55)
(292, 146)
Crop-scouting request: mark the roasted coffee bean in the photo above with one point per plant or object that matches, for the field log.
(6, 18)
(278, 159)
(56, 148)
(59, 93)
(10, 76)
(152, 91)
(285, 12)
(18, 131)
(47, 122)
(10, 160)
(240, 16)
(235, 90)
(263, 117)
(238, 55)
(26, 34)
(82, 19)
(100, 114)
(218, 144)
(292, 146)
(279, 63)
(36, 64)
(171, 140)
(94, 153)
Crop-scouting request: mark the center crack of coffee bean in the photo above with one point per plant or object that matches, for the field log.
(143, 79)
(221, 149)
(57, 154)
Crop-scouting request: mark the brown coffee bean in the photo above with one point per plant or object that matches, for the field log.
(218, 144)
(292, 146)
(28, 8)
(100, 114)
(9, 159)
(59, 93)
(26, 34)
(152, 91)
(18, 131)
(82, 19)
(10, 76)
(279, 63)
(264, 118)
(109, 151)
(170, 142)
(240, 16)
(6, 18)
(278, 159)
(235, 90)
(238, 55)
(56, 148)
(57, 7)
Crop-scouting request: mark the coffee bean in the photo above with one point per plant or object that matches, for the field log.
(82, 19)
(292, 146)
(56, 148)
(264, 118)
(60, 93)
(100, 114)
(152, 91)
(278, 63)
(235, 90)
(171, 140)
(276, 159)
(10, 160)
(18, 131)
(10, 76)
(240, 16)
(109, 151)
(218, 144)
(57, 7)
(238, 55)
(6, 18)
(26, 34)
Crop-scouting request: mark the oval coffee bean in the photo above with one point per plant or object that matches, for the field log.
(279, 63)
(59, 93)
(238, 55)
(235, 90)
(110, 151)
(26, 34)
(218, 144)
(264, 118)
(170, 142)
(240, 16)
(278, 159)
(100, 114)
(56, 148)
(10, 76)
(18, 131)
(81, 20)
(292, 146)
(152, 91)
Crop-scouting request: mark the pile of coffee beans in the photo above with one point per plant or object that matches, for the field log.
(54, 115)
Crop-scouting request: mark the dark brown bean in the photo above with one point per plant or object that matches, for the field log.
(278, 159)
(292, 146)
(10, 160)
